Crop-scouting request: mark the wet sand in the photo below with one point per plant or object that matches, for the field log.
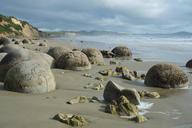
(19, 110)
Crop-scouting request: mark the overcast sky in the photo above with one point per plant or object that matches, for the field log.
(135, 16)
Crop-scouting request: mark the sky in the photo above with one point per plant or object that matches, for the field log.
(132, 16)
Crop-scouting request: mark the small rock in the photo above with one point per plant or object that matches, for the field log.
(111, 109)
(101, 78)
(138, 59)
(148, 94)
(70, 119)
(78, 99)
(87, 75)
(95, 86)
(139, 119)
(121, 68)
(126, 107)
(142, 76)
(128, 75)
(108, 72)
(112, 62)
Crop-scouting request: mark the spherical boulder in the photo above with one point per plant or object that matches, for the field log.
(74, 60)
(42, 57)
(189, 64)
(122, 51)
(94, 55)
(9, 48)
(166, 76)
(43, 44)
(4, 41)
(11, 59)
(56, 52)
(30, 77)
(25, 41)
(2, 55)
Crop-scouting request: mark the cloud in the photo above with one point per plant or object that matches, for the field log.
(116, 15)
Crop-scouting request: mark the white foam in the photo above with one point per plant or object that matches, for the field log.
(145, 105)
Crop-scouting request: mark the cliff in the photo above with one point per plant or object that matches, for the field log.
(13, 27)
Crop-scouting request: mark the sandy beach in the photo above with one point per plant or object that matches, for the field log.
(18, 110)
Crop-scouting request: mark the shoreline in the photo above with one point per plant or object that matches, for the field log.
(37, 110)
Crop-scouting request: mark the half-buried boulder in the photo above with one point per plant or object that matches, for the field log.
(74, 60)
(94, 55)
(11, 59)
(42, 57)
(4, 41)
(166, 76)
(122, 51)
(107, 54)
(30, 77)
(26, 41)
(9, 48)
(56, 52)
(189, 64)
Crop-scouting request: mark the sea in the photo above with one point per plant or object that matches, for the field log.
(168, 48)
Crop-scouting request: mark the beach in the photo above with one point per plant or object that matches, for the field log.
(172, 109)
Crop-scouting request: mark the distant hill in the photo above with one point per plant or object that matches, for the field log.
(90, 33)
(12, 27)
(176, 34)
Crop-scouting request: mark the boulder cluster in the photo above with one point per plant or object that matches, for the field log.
(119, 51)
(26, 71)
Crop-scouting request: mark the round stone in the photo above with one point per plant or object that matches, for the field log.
(30, 77)
(166, 76)
(122, 51)
(94, 55)
(74, 60)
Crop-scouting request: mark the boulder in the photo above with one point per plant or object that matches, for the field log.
(30, 77)
(26, 41)
(122, 51)
(189, 64)
(56, 52)
(166, 76)
(9, 48)
(94, 55)
(74, 60)
(42, 57)
(43, 44)
(18, 43)
(132, 95)
(107, 54)
(113, 91)
(11, 59)
(4, 41)
(2, 55)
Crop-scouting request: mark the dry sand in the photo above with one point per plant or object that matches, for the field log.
(19, 110)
